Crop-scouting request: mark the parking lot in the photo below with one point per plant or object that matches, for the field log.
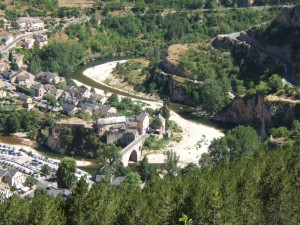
(30, 163)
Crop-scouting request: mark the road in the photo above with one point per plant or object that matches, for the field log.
(20, 37)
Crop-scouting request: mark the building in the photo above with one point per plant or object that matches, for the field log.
(28, 43)
(104, 124)
(38, 89)
(142, 122)
(27, 100)
(40, 40)
(83, 92)
(107, 110)
(29, 24)
(70, 109)
(14, 178)
(21, 77)
(49, 78)
(7, 40)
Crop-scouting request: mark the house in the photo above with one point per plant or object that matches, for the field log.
(22, 77)
(70, 109)
(7, 40)
(142, 122)
(39, 89)
(49, 88)
(50, 78)
(28, 43)
(108, 110)
(73, 101)
(96, 97)
(83, 92)
(103, 124)
(29, 24)
(25, 98)
(27, 101)
(40, 42)
(14, 178)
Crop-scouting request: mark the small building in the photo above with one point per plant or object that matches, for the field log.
(25, 98)
(38, 89)
(163, 122)
(70, 109)
(28, 43)
(40, 42)
(8, 39)
(107, 110)
(27, 101)
(83, 92)
(143, 122)
(50, 78)
(14, 178)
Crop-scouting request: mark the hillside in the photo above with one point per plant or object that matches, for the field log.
(282, 36)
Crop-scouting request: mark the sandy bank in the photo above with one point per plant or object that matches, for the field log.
(101, 72)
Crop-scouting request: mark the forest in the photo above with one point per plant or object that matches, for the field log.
(260, 189)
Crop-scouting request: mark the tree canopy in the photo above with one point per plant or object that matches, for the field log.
(66, 173)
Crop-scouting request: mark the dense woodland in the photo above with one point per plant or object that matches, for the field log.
(263, 189)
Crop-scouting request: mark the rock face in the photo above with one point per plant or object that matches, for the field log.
(290, 17)
(171, 68)
(175, 90)
(258, 113)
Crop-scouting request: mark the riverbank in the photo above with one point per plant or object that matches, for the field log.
(196, 137)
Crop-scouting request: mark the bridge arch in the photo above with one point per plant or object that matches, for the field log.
(134, 156)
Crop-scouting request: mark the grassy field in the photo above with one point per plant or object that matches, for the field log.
(76, 3)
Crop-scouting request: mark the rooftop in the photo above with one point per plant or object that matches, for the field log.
(111, 120)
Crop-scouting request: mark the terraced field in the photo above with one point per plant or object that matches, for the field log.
(76, 3)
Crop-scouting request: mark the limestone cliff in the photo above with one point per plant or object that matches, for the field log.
(173, 87)
(262, 115)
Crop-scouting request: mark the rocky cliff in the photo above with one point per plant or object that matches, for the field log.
(262, 115)
(173, 87)
(281, 37)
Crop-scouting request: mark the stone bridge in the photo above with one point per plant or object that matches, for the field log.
(133, 151)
